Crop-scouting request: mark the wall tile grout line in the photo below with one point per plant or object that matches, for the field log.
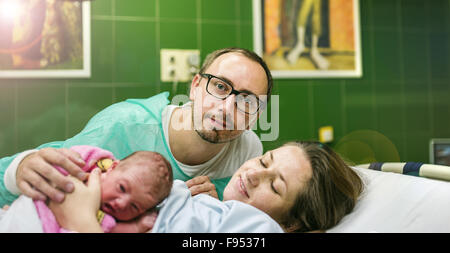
(311, 108)
(124, 18)
(373, 64)
(66, 109)
(343, 89)
(410, 30)
(169, 20)
(16, 117)
(158, 44)
(113, 53)
(238, 22)
(198, 21)
(428, 68)
(402, 76)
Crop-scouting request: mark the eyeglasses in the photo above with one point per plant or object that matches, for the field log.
(221, 89)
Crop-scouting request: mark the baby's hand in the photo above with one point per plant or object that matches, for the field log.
(5, 207)
(141, 224)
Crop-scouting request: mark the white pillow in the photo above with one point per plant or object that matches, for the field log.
(393, 202)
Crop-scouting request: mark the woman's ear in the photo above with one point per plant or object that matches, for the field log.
(292, 227)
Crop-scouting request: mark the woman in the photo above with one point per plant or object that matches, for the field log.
(303, 186)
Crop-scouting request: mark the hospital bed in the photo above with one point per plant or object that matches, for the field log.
(400, 197)
(397, 197)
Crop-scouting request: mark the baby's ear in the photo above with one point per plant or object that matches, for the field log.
(113, 165)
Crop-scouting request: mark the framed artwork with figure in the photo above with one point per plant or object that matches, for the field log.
(308, 38)
(45, 39)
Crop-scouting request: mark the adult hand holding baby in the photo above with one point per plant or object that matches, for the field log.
(202, 184)
(37, 177)
(79, 209)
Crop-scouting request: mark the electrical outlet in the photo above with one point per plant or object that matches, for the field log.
(179, 65)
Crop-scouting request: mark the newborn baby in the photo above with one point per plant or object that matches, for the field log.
(129, 187)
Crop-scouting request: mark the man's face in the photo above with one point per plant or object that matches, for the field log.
(217, 120)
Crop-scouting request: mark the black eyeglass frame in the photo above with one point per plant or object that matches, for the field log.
(233, 91)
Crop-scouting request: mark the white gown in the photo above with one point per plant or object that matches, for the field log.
(182, 213)
(179, 213)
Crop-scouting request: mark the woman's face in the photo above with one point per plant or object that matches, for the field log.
(271, 182)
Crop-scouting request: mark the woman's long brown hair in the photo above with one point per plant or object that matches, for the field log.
(329, 195)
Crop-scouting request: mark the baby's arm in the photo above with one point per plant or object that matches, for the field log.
(141, 224)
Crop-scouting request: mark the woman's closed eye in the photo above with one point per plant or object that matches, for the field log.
(271, 183)
(262, 163)
(266, 159)
(273, 188)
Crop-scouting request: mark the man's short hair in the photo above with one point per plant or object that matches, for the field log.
(247, 53)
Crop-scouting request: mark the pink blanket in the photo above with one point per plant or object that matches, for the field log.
(90, 155)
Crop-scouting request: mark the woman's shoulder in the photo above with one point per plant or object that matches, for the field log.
(204, 214)
(251, 219)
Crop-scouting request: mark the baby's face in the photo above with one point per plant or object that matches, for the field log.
(127, 191)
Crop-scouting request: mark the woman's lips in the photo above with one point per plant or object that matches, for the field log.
(242, 187)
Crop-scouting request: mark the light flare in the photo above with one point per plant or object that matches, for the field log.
(9, 9)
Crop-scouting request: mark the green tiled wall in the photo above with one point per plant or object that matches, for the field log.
(390, 113)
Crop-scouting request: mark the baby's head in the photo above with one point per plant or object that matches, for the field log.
(135, 184)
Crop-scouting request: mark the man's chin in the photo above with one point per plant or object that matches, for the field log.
(217, 136)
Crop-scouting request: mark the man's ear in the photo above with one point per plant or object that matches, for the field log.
(194, 84)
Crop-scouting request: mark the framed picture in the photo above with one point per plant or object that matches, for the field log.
(308, 38)
(45, 39)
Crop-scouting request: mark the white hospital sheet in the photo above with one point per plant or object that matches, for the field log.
(21, 217)
(394, 202)
(204, 214)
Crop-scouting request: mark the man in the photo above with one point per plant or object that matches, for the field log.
(205, 141)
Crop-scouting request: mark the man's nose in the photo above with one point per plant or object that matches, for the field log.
(230, 104)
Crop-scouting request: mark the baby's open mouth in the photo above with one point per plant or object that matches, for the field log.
(107, 208)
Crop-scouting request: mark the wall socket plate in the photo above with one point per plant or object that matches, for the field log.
(179, 65)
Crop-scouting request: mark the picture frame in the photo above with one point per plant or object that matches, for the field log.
(308, 38)
(45, 39)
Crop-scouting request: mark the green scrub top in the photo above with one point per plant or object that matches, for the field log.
(122, 128)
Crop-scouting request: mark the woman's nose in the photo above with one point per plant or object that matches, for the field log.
(256, 176)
